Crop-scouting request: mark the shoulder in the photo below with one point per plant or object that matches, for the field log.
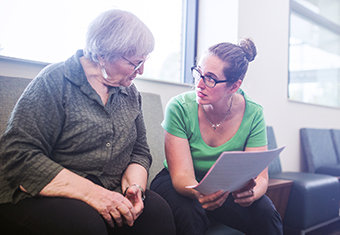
(54, 73)
(251, 106)
(185, 100)
(49, 80)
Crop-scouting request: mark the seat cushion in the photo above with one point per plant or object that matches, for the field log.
(314, 198)
(329, 170)
(220, 229)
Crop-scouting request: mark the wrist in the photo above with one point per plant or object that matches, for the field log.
(139, 187)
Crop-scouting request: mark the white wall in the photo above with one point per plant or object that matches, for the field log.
(266, 22)
(218, 22)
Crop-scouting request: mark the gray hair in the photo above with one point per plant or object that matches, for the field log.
(117, 33)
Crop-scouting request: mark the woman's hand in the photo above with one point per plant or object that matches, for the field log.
(212, 201)
(255, 188)
(133, 181)
(246, 195)
(134, 194)
(113, 206)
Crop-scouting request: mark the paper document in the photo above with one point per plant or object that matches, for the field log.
(232, 170)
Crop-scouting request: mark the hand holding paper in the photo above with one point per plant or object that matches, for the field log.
(232, 170)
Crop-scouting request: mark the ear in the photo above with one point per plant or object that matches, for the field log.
(236, 85)
(101, 61)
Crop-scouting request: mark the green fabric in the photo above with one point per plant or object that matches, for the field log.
(60, 122)
(181, 120)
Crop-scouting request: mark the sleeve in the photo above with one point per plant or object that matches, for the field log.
(174, 119)
(258, 133)
(141, 152)
(27, 145)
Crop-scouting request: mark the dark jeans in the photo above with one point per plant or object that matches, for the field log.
(52, 215)
(190, 218)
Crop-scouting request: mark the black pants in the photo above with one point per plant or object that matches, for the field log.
(48, 215)
(190, 218)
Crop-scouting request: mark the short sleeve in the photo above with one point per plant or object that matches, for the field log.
(174, 119)
(258, 133)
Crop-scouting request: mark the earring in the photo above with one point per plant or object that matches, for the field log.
(105, 76)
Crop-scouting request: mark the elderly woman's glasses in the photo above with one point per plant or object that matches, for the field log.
(136, 66)
(208, 81)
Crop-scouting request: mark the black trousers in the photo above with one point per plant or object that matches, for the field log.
(190, 218)
(47, 215)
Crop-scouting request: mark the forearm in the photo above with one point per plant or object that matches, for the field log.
(111, 205)
(70, 185)
(180, 164)
(181, 181)
(134, 174)
(261, 183)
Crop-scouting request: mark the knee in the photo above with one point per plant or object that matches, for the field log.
(187, 215)
(267, 210)
(267, 217)
(156, 215)
(80, 218)
(191, 218)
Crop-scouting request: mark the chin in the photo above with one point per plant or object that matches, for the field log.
(202, 101)
(127, 83)
(199, 100)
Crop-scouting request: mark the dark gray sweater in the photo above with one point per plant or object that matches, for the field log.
(60, 122)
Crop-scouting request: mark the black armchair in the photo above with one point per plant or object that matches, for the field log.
(314, 198)
(319, 150)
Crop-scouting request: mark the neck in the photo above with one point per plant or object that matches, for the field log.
(216, 118)
(93, 75)
(91, 69)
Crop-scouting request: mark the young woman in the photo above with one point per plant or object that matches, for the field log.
(199, 126)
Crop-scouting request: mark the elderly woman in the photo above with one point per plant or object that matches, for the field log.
(199, 126)
(74, 158)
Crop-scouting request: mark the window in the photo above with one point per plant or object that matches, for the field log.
(51, 31)
(314, 52)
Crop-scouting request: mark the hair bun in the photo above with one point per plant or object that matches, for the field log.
(248, 48)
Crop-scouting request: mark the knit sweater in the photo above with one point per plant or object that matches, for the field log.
(60, 122)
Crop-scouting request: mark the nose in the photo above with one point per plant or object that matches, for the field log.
(200, 83)
(140, 70)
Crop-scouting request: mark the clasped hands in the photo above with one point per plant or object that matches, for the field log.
(116, 208)
(244, 197)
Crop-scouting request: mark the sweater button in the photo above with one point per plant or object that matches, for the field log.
(108, 144)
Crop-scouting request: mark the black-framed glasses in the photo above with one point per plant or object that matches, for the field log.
(136, 66)
(208, 81)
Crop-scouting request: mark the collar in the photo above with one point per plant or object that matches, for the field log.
(75, 73)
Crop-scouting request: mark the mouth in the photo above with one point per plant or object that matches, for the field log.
(200, 94)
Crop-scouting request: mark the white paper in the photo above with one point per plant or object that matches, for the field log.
(232, 170)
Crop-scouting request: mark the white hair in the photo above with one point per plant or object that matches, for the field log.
(117, 33)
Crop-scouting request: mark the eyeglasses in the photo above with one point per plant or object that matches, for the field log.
(208, 81)
(136, 66)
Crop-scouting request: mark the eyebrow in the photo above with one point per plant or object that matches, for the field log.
(210, 74)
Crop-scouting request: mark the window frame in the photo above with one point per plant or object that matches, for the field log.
(189, 41)
(188, 45)
(313, 18)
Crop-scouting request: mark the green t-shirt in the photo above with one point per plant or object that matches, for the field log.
(181, 120)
